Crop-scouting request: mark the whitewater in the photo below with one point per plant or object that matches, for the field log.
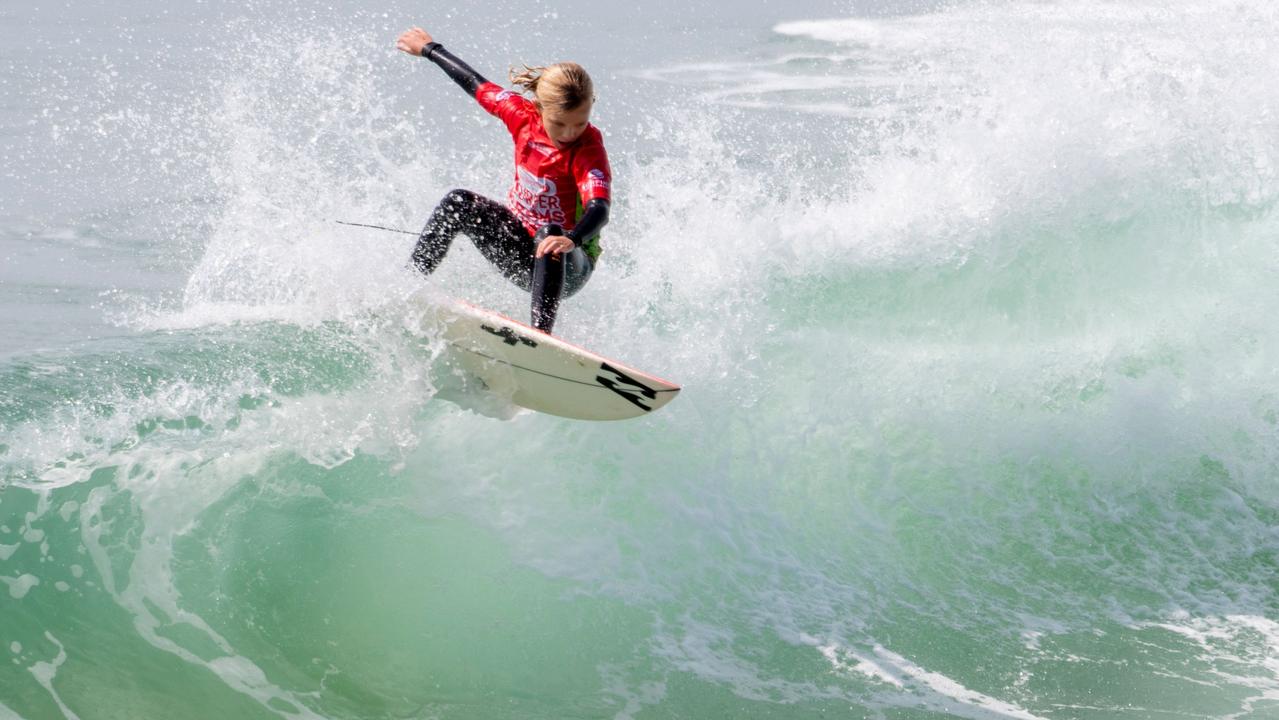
(973, 305)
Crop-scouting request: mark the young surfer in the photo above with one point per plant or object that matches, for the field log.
(546, 238)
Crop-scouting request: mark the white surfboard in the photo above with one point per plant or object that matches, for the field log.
(542, 372)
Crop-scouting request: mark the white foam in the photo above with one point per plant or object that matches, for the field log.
(167, 511)
(908, 32)
(956, 698)
(21, 585)
(1233, 645)
(929, 689)
(45, 672)
(705, 651)
(646, 694)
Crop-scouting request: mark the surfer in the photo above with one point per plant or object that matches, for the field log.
(546, 238)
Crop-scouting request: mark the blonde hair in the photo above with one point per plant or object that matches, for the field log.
(561, 87)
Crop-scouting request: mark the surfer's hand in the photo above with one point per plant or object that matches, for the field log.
(412, 41)
(555, 245)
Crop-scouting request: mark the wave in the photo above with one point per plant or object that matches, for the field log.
(977, 399)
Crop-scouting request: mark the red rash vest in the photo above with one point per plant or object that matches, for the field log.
(551, 185)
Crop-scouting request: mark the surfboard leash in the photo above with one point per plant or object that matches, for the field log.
(375, 227)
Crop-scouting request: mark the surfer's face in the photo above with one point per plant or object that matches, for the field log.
(566, 126)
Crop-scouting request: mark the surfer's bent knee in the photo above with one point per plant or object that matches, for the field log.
(548, 230)
(459, 196)
(578, 265)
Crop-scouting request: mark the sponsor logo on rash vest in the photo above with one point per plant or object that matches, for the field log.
(596, 179)
(534, 201)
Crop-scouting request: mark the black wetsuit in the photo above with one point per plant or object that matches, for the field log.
(500, 236)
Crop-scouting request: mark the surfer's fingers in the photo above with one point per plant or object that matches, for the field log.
(554, 244)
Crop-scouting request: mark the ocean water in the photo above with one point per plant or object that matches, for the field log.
(973, 304)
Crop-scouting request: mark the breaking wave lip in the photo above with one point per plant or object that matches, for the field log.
(224, 375)
(1059, 119)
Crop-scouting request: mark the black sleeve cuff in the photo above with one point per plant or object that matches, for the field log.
(591, 222)
(464, 75)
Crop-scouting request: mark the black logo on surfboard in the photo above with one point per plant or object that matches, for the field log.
(509, 336)
(626, 386)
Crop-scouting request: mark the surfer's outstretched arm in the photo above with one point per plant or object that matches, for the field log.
(419, 42)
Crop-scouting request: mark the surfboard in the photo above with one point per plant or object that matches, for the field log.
(542, 372)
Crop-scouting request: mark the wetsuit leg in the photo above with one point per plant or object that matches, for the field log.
(502, 239)
(578, 267)
(548, 282)
(490, 225)
(556, 277)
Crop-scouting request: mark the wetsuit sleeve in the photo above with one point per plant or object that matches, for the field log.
(506, 105)
(461, 73)
(591, 222)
